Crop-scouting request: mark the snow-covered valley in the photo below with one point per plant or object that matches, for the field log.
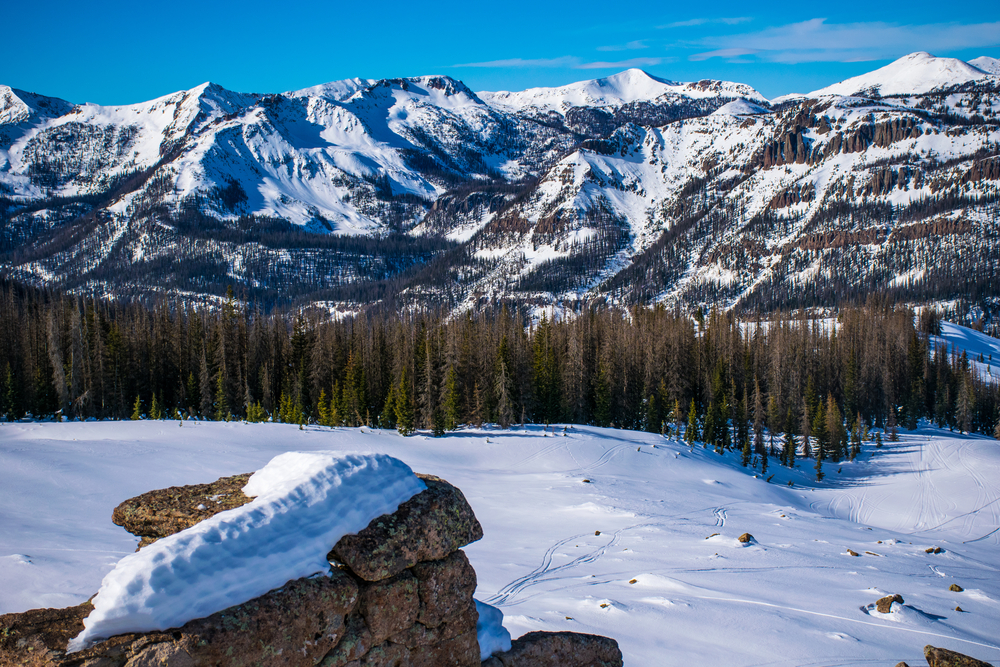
(621, 533)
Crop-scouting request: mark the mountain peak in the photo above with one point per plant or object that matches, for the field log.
(913, 74)
(987, 64)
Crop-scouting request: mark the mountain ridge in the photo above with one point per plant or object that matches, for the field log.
(650, 192)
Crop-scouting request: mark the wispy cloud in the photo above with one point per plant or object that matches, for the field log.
(563, 61)
(621, 64)
(818, 41)
(631, 46)
(690, 23)
(568, 62)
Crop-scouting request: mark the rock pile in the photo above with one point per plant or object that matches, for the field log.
(399, 593)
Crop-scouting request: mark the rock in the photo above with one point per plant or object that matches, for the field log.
(956, 588)
(164, 512)
(295, 625)
(884, 605)
(852, 552)
(942, 657)
(446, 589)
(559, 649)
(902, 664)
(745, 538)
(959, 609)
(428, 526)
(389, 606)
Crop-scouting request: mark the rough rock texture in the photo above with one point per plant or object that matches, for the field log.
(942, 657)
(745, 538)
(164, 512)
(428, 526)
(559, 649)
(884, 605)
(293, 625)
(955, 588)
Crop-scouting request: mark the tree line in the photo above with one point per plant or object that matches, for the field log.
(787, 386)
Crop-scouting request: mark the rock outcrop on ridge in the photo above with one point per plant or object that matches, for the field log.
(399, 593)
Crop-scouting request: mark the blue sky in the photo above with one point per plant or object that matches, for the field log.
(120, 52)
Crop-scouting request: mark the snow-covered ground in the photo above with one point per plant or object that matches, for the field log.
(646, 551)
(956, 339)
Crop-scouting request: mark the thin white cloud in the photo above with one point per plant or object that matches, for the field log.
(818, 41)
(564, 61)
(690, 23)
(621, 64)
(631, 46)
(568, 62)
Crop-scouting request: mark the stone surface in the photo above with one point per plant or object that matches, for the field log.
(163, 512)
(955, 588)
(446, 589)
(390, 606)
(428, 526)
(884, 605)
(942, 657)
(559, 649)
(745, 538)
(293, 626)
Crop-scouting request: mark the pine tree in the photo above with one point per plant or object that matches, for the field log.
(602, 397)
(758, 417)
(404, 405)
(678, 418)
(878, 439)
(709, 435)
(323, 409)
(137, 409)
(154, 409)
(388, 418)
(8, 397)
(819, 433)
(891, 426)
(835, 432)
(205, 387)
(691, 434)
(773, 422)
(221, 404)
(790, 444)
(477, 406)
(451, 400)
(965, 405)
(745, 461)
(819, 467)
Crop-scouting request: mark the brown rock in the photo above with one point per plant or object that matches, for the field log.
(355, 643)
(902, 664)
(446, 589)
(428, 526)
(291, 626)
(460, 651)
(884, 605)
(942, 657)
(560, 649)
(745, 538)
(389, 606)
(956, 588)
(852, 552)
(164, 512)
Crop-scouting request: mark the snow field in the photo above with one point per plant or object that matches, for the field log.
(645, 550)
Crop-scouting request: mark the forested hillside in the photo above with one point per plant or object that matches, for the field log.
(763, 385)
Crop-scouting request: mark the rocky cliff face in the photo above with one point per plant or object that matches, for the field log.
(398, 593)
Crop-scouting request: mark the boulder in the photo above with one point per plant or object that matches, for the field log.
(163, 512)
(884, 605)
(942, 657)
(432, 524)
(295, 625)
(559, 649)
(955, 588)
(745, 538)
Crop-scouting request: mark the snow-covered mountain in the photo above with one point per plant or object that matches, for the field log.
(987, 64)
(628, 189)
(910, 75)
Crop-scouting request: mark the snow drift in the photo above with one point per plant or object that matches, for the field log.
(304, 503)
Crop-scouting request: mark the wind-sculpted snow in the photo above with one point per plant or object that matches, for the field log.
(304, 502)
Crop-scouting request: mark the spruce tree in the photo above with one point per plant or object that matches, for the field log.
(154, 409)
(820, 433)
(388, 418)
(137, 409)
(791, 443)
(602, 397)
(745, 461)
(835, 432)
(691, 433)
(404, 405)
(323, 409)
(451, 400)
(7, 396)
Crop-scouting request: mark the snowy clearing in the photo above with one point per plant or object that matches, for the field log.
(644, 551)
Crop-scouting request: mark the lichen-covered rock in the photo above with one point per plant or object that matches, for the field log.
(390, 606)
(884, 604)
(942, 657)
(163, 512)
(432, 524)
(559, 649)
(295, 625)
(446, 589)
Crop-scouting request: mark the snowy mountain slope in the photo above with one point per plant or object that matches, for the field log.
(915, 73)
(987, 64)
(645, 552)
(629, 189)
(632, 85)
